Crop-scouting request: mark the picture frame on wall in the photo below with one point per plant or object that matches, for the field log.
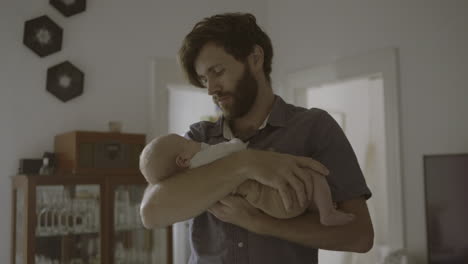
(43, 36)
(69, 7)
(65, 81)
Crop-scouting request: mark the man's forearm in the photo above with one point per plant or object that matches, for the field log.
(188, 194)
(307, 230)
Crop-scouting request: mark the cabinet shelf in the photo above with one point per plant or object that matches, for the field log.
(67, 234)
(92, 218)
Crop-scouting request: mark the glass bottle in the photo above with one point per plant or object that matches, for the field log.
(45, 169)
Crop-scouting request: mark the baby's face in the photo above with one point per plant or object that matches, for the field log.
(190, 148)
(167, 155)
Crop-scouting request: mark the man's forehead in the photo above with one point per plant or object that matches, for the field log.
(210, 55)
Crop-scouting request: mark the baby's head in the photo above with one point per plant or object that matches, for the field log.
(166, 155)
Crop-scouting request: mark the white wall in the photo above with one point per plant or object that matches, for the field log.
(112, 43)
(432, 38)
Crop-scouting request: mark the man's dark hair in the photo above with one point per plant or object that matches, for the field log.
(237, 33)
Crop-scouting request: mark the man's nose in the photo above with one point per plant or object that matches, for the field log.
(213, 87)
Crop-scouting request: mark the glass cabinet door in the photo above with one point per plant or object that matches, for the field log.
(132, 243)
(67, 227)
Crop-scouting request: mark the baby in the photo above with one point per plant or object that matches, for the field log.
(167, 155)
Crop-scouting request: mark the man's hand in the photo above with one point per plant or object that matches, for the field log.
(237, 211)
(290, 175)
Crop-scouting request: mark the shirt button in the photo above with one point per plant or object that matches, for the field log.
(240, 244)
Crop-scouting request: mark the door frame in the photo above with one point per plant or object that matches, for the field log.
(383, 62)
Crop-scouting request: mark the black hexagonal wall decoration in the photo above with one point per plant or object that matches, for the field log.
(42, 35)
(69, 7)
(65, 81)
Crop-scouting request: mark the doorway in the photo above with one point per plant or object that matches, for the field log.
(361, 93)
(187, 105)
(357, 106)
(174, 105)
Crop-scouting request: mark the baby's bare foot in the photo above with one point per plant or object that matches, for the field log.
(336, 218)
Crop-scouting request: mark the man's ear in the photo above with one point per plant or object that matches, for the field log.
(182, 162)
(256, 58)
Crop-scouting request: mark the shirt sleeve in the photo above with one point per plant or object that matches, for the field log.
(194, 133)
(189, 135)
(335, 152)
(215, 152)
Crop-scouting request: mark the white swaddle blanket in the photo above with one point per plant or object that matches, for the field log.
(210, 153)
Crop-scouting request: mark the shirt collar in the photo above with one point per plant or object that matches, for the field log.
(227, 132)
(277, 117)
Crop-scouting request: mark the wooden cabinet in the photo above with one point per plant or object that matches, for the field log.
(87, 152)
(80, 219)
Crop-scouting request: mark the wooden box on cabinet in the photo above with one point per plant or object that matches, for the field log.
(98, 152)
(90, 218)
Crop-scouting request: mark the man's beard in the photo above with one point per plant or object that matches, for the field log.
(243, 97)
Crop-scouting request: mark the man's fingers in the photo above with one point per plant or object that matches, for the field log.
(312, 164)
(219, 210)
(230, 200)
(307, 180)
(285, 197)
(215, 208)
(225, 201)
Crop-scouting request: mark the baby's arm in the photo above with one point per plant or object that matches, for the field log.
(154, 174)
(154, 178)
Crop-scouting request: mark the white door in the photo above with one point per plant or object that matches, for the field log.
(361, 93)
(357, 105)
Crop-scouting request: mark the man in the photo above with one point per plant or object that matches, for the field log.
(231, 57)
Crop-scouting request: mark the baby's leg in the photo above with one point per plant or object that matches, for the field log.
(329, 216)
(267, 199)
